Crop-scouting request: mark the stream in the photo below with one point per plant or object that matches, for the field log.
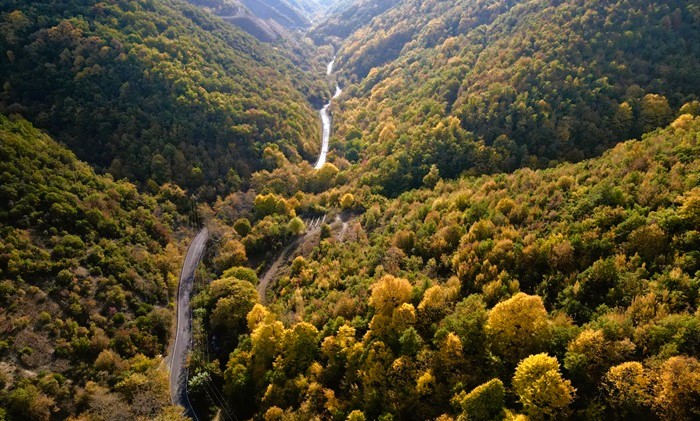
(326, 121)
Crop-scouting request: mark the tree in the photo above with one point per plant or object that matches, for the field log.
(692, 108)
(296, 226)
(266, 340)
(483, 403)
(436, 303)
(411, 342)
(160, 169)
(28, 402)
(325, 175)
(541, 388)
(231, 253)
(242, 226)
(388, 293)
(242, 273)
(298, 264)
(677, 389)
(356, 415)
(231, 301)
(628, 389)
(590, 355)
(347, 201)
(432, 177)
(299, 348)
(654, 112)
(271, 204)
(518, 327)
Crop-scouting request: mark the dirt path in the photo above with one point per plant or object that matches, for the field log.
(271, 272)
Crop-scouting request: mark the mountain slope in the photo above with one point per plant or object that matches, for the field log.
(154, 90)
(516, 83)
(345, 17)
(267, 20)
(439, 302)
(88, 267)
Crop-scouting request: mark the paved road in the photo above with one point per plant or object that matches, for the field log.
(183, 334)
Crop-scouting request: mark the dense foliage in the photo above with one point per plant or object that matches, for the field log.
(447, 263)
(88, 267)
(155, 90)
(570, 291)
(488, 86)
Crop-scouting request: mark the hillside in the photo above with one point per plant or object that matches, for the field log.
(488, 86)
(506, 225)
(155, 90)
(88, 268)
(452, 302)
(347, 16)
(266, 20)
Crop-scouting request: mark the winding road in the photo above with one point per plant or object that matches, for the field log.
(177, 359)
(183, 331)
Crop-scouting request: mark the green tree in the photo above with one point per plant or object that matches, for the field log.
(242, 226)
(483, 403)
(654, 112)
(299, 348)
(231, 301)
(296, 226)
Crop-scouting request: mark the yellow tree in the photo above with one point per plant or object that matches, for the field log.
(541, 388)
(518, 327)
(590, 355)
(347, 201)
(627, 386)
(231, 253)
(388, 293)
(677, 389)
(654, 112)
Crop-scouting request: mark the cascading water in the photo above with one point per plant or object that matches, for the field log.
(326, 122)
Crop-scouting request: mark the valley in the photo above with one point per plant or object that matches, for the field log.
(349, 210)
(326, 122)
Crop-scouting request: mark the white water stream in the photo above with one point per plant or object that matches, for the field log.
(326, 122)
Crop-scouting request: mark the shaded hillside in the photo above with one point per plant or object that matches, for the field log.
(155, 90)
(345, 17)
(494, 85)
(267, 20)
(88, 267)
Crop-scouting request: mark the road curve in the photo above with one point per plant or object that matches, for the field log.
(183, 331)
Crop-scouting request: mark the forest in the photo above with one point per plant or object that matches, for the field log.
(155, 91)
(490, 86)
(557, 293)
(88, 267)
(507, 226)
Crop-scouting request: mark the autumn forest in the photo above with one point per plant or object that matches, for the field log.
(349, 210)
